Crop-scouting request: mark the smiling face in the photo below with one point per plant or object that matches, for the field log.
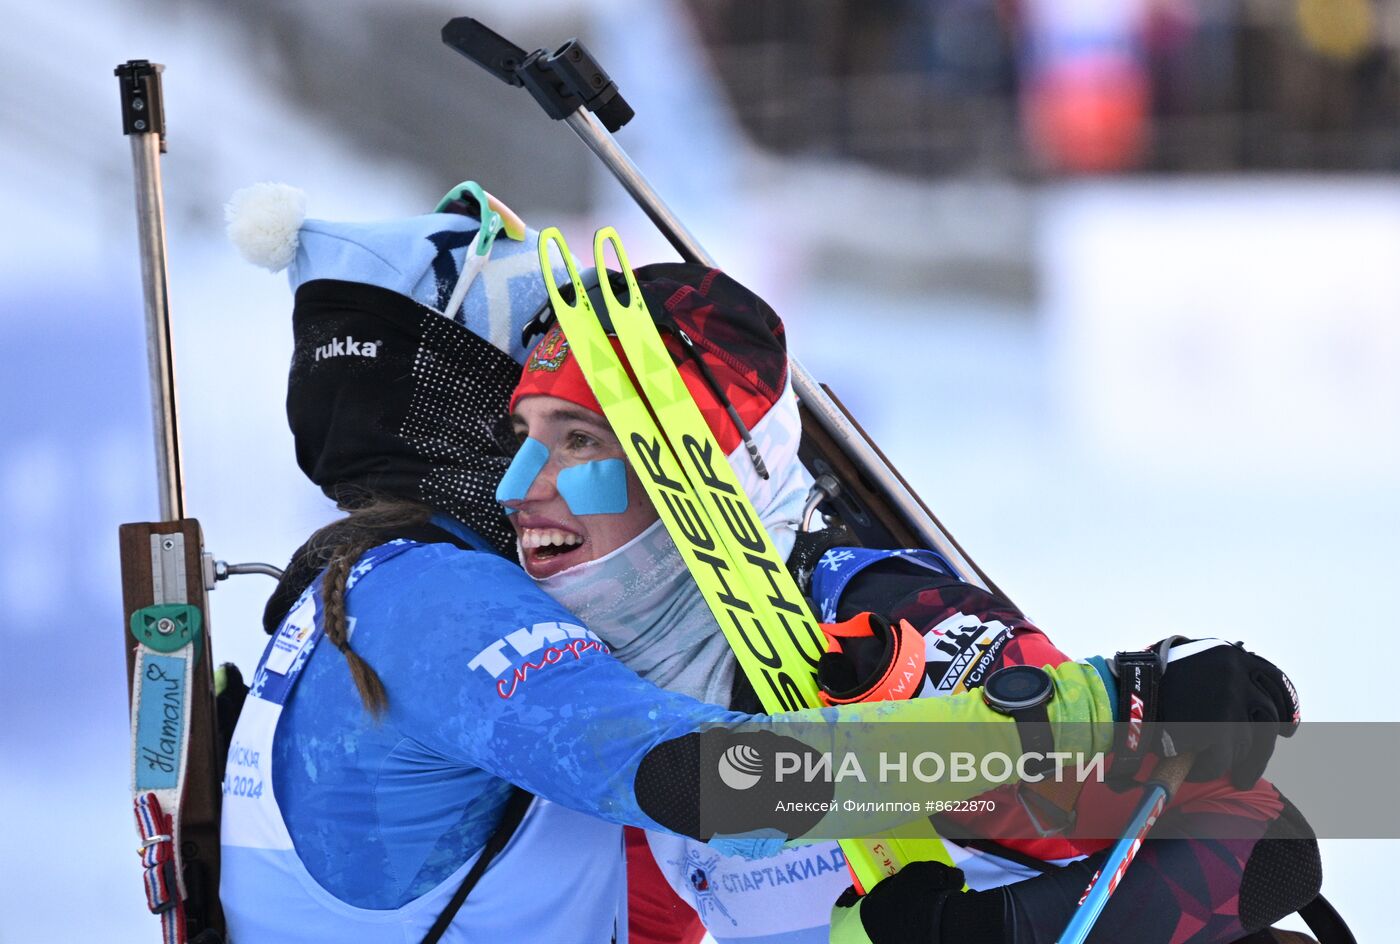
(552, 536)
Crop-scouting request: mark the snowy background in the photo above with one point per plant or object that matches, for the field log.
(1169, 403)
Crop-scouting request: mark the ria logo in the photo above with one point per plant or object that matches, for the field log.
(740, 766)
(348, 347)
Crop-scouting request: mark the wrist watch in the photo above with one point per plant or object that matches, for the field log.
(1024, 692)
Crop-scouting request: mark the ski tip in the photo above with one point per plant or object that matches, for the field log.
(264, 223)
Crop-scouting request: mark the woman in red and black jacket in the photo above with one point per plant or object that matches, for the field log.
(1229, 857)
(633, 591)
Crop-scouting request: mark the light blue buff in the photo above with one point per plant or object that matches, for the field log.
(590, 488)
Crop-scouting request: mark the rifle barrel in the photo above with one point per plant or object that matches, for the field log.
(826, 412)
(602, 143)
(144, 123)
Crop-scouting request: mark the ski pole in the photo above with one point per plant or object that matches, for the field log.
(572, 87)
(1167, 776)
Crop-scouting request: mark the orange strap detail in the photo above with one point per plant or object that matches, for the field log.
(856, 627)
(904, 673)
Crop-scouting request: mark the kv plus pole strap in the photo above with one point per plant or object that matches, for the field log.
(1139, 693)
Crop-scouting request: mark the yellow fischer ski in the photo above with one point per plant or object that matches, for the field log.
(756, 558)
(786, 625)
(782, 676)
(763, 615)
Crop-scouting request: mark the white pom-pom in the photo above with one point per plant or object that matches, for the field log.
(264, 222)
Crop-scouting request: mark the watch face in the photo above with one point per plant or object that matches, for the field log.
(1018, 686)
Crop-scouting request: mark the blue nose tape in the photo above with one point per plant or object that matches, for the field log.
(590, 488)
(523, 471)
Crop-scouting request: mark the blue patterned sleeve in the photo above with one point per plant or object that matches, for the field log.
(486, 670)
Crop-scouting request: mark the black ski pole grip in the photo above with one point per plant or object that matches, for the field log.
(143, 107)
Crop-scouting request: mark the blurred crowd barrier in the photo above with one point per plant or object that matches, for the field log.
(1043, 87)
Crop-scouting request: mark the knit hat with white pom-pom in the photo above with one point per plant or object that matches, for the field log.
(386, 395)
(419, 256)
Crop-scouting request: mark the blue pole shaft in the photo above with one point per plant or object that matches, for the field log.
(1168, 775)
(1106, 879)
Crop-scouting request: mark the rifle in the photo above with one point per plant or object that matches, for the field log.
(177, 751)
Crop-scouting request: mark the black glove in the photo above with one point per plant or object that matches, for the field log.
(923, 903)
(230, 692)
(1207, 697)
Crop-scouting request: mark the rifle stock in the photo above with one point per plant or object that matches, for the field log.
(202, 799)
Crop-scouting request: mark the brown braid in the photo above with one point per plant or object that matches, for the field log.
(339, 545)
